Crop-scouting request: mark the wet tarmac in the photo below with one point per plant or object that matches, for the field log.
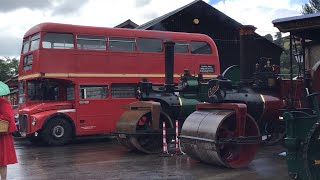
(105, 159)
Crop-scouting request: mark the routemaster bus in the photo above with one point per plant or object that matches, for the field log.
(74, 80)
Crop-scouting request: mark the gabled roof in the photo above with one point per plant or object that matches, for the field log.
(161, 18)
(197, 7)
(127, 24)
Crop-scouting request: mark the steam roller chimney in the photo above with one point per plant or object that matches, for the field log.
(169, 65)
(247, 52)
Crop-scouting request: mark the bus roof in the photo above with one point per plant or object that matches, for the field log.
(90, 30)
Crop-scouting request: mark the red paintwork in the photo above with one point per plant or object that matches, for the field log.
(272, 106)
(239, 108)
(246, 127)
(285, 86)
(101, 115)
(90, 61)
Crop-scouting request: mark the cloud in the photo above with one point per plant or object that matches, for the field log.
(140, 3)
(10, 46)
(55, 7)
(9, 5)
(68, 7)
(259, 13)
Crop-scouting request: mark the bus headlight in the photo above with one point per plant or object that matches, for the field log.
(33, 121)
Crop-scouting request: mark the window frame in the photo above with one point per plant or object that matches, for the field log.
(107, 86)
(33, 40)
(128, 85)
(188, 46)
(197, 41)
(125, 51)
(149, 38)
(88, 39)
(23, 45)
(52, 47)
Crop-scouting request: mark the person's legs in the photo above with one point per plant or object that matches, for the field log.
(3, 172)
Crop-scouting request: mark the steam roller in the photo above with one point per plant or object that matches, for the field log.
(218, 117)
(221, 134)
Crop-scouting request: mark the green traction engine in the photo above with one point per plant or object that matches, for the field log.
(303, 142)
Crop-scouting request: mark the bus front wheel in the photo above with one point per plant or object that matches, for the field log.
(57, 132)
(33, 139)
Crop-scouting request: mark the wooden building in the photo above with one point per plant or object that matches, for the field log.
(13, 97)
(127, 24)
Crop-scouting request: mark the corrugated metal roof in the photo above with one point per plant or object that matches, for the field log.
(296, 18)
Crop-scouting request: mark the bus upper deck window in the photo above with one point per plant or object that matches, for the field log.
(35, 39)
(122, 44)
(150, 45)
(181, 47)
(198, 47)
(91, 42)
(25, 46)
(58, 41)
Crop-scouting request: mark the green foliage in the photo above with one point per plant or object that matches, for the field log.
(313, 6)
(8, 68)
(285, 56)
(279, 41)
(269, 37)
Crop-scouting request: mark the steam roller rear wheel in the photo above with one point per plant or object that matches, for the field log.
(311, 153)
(139, 134)
(203, 130)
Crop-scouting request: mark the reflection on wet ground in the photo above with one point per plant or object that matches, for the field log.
(105, 159)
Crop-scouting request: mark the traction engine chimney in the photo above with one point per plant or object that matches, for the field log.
(247, 56)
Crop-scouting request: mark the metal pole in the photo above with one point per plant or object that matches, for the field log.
(178, 151)
(291, 74)
(164, 141)
(304, 63)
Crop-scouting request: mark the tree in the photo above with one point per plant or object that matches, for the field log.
(279, 40)
(313, 6)
(8, 68)
(269, 37)
(285, 56)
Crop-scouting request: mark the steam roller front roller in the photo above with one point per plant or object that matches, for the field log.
(137, 132)
(212, 136)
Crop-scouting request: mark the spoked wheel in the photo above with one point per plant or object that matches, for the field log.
(201, 134)
(311, 153)
(144, 138)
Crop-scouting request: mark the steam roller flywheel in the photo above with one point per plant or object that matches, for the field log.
(136, 133)
(202, 130)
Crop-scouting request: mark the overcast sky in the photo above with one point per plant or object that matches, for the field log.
(17, 16)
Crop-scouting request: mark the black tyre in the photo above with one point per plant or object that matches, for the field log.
(34, 139)
(57, 132)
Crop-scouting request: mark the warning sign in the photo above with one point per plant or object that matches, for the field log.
(206, 68)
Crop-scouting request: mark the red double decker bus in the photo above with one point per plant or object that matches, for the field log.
(74, 80)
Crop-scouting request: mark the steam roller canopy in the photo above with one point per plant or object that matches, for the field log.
(136, 132)
(202, 130)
